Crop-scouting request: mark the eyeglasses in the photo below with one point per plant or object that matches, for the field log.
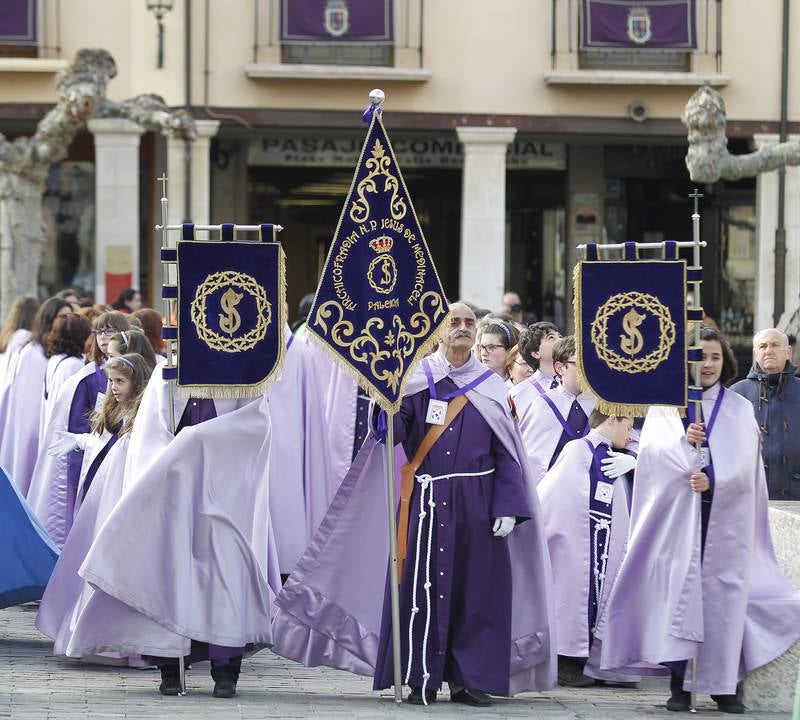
(522, 364)
(105, 331)
(490, 348)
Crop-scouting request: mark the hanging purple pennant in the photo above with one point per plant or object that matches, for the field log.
(337, 21)
(18, 22)
(642, 24)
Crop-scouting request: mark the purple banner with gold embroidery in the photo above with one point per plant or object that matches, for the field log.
(641, 24)
(380, 305)
(18, 22)
(337, 21)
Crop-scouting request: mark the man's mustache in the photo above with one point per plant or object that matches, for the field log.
(462, 333)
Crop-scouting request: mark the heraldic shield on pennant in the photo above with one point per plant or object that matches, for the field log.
(380, 305)
(231, 316)
(631, 333)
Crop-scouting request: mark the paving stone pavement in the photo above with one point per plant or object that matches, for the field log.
(35, 685)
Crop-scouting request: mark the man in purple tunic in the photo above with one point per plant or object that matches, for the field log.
(474, 605)
(555, 417)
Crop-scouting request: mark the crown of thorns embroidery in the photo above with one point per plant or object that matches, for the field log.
(241, 282)
(642, 302)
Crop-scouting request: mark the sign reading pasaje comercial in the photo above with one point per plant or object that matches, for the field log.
(434, 151)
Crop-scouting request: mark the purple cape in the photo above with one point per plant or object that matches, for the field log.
(54, 486)
(540, 428)
(735, 611)
(19, 421)
(330, 608)
(206, 568)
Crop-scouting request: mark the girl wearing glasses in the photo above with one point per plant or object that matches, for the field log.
(495, 341)
(60, 458)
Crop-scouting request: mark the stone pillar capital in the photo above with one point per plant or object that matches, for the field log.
(486, 139)
(100, 127)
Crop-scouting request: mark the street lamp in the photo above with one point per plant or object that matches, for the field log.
(160, 8)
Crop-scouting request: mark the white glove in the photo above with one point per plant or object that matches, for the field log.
(617, 464)
(503, 526)
(65, 442)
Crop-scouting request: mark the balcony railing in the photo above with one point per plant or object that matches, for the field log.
(567, 55)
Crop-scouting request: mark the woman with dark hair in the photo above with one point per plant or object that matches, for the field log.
(152, 324)
(58, 466)
(20, 406)
(16, 329)
(700, 579)
(64, 354)
(129, 301)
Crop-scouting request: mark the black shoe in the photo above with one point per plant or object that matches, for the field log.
(476, 698)
(680, 700)
(226, 675)
(570, 674)
(729, 704)
(618, 683)
(170, 680)
(415, 696)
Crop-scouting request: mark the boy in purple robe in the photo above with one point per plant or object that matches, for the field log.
(475, 610)
(553, 418)
(700, 579)
(585, 498)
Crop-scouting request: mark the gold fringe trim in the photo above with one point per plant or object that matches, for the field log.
(236, 392)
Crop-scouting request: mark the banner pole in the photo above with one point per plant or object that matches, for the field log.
(697, 372)
(394, 580)
(169, 278)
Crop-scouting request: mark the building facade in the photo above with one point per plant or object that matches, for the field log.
(518, 137)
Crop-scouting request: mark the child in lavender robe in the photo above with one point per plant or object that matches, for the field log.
(700, 579)
(555, 417)
(585, 498)
(67, 593)
(535, 346)
(20, 399)
(16, 330)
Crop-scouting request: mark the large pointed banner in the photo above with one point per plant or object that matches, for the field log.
(380, 305)
(631, 328)
(231, 314)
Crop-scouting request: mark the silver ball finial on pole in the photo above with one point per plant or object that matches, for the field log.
(377, 97)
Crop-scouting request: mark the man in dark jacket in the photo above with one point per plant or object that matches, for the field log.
(775, 393)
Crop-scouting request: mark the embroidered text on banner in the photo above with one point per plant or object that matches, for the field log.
(380, 305)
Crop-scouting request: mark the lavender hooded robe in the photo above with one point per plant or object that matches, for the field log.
(15, 342)
(206, 569)
(541, 429)
(331, 607)
(21, 408)
(565, 496)
(734, 611)
(60, 368)
(54, 486)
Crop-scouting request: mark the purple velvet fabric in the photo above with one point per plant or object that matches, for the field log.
(470, 629)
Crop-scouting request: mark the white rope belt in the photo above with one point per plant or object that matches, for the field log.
(602, 522)
(426, 482)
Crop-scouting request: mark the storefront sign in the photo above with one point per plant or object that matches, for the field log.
(309, 150)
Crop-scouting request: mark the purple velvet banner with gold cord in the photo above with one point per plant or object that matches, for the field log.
(640, 24)
(337, 21)
(380, 305)
(18, 22)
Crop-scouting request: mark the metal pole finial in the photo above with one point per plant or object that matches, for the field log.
(377, 97)
(696, 195)
(163, 181)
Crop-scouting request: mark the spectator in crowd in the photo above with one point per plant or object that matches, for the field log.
(129, 301)
(774, 392)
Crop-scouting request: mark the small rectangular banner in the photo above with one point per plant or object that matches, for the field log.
(231, 317)
(379, 306)
(18, 22)
(630, 329)
(641, 24)
(337, 21)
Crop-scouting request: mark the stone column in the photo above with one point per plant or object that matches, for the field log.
(482, 275)
(200, 205)
(116, 143)
(767, 221)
